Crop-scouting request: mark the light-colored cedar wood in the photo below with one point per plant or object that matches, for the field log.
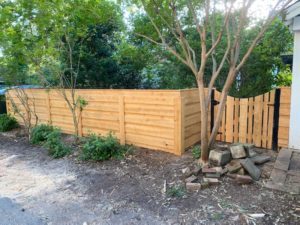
(150, 131)
(265, 120)
(243, 120)
(177, 120)
(250, 121)
(223, 126)
(181, 148)
(257, 128)
(284, 117)
(271, 119)
(49, 107)
(229, 119)
(122, 120)
(167, 120)
(236, 120)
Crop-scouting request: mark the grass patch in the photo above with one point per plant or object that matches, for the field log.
(7, 122)
(99, 148)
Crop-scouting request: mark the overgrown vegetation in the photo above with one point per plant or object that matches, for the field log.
(7, 122)
(101, 148)
(176, 192)
(196, 151)
(39, 133)
(56, 148)
(51, 138)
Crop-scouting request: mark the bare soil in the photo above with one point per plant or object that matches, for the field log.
(36, 189)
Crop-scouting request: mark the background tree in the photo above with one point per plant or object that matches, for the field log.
(168, 19)
(257, 76)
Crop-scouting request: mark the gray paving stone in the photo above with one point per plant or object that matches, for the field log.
(219, 158)
(253, 171)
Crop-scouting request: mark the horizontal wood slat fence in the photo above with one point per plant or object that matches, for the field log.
(167, 120)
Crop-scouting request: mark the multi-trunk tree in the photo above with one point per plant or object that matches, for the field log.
(169, 19)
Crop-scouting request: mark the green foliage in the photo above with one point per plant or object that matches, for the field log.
(51, 138)
(284, 77)
(56, 148)
(7, 122)
(81, 103)
(40, 133)
(101, 148)
(196, 151)
(255, 77)
(176, 192)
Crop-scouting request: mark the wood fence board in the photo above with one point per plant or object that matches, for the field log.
(271, 119)
(265, 119)
(236, 120)
(257, 128)
(243, 120)
(250, 121)
(229, 119)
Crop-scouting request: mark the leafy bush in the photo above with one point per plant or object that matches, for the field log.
(196, 151)
(40, 132)
(56, 148)
(101, 148)
(50, 138)
(176, 192)
(7, 122)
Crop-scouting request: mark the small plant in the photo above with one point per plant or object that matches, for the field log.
(196, 151)
(101, 148)
(39, 133)
(7, 122)
(50, 138)
(176, 192)
(56, 148)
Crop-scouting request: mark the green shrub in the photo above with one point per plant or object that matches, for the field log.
(56, 148)
(39, 133)
(101, 148)
(196, 151)
(176, 192)
(51, 138)
(7, 122)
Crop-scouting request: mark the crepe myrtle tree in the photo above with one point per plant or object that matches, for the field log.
(172, 19)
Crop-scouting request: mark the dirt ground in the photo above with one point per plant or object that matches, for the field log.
(35, 189)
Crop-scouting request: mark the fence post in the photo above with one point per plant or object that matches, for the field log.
(276, 119)
(212, 110)
(122, 120)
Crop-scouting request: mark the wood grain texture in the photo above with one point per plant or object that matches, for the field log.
(167, 120)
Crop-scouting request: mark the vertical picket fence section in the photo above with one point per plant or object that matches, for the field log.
(248, 120)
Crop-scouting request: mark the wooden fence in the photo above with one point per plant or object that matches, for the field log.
(145, 118)
(167, 120)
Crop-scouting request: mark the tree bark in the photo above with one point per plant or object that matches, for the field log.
(223, 98)
(204, 121)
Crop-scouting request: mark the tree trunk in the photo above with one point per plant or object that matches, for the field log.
(221, 108)
(204, 121)
(75, 122)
